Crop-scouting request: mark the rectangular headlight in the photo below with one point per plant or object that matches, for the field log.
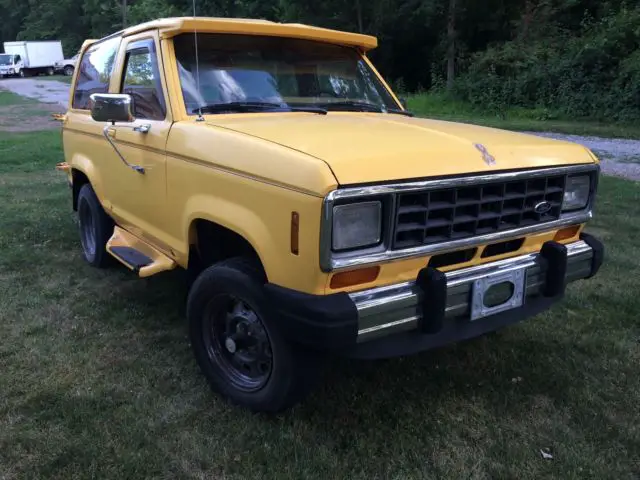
(576, 193)
(357, 225)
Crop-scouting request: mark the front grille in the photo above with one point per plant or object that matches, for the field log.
(435, 216)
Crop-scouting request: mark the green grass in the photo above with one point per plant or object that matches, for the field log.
(8, 99)
(441, 106)
(57, 78)
(97, 378)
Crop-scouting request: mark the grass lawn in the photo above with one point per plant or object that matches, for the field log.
(441, 106)
(57, 78)
(98, 380)
(8, 99)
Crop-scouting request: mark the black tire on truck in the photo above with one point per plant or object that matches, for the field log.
(68, 70)
(96, 227)
(238, 345)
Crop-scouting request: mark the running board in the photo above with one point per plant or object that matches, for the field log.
(137, 255)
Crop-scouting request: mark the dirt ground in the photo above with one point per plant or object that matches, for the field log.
(29, 117)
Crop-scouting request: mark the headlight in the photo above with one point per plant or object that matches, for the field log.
(356, 225)
(576, 193)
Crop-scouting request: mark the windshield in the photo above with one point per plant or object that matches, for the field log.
(276, 70)
(6, 59)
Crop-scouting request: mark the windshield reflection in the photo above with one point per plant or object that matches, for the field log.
(276, 70)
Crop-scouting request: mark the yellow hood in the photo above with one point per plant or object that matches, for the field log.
(367, 148)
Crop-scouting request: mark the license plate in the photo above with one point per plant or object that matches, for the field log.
(497, 293)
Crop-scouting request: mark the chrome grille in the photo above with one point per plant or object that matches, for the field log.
(441, 215)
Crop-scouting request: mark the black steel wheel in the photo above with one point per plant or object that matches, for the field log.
(96, 227)
(238, 343)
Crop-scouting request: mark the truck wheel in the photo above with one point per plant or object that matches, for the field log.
(68, 70)
(22, 73)
(96, 227)
(237, 344)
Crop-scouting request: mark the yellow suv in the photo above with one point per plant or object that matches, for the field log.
(311, 211)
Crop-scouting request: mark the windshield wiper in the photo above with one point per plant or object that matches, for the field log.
(247, 107)
(397, 111)
(354, 105)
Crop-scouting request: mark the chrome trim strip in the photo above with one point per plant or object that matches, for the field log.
(329, 262)
(387, 299)
(459, 181)
(387, 325)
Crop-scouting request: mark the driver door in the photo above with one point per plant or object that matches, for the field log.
(139, 199)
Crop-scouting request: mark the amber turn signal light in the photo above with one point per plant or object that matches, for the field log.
(567, 233)
(354, 277)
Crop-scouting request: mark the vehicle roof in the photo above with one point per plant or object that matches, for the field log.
(170, 27)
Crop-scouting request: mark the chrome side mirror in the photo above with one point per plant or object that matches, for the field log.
(112, 107)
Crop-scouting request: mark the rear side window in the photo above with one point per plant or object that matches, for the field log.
(95, 71)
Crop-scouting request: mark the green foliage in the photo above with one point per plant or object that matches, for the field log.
(592, 73)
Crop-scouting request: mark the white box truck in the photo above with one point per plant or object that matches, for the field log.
(30, 58)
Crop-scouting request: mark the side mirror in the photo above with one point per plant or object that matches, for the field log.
(112, 107)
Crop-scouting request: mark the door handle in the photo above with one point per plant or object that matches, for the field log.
(144, 128)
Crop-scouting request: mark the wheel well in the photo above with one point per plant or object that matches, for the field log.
(212, 243)
(79, 179)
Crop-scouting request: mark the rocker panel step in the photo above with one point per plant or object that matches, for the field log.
(138, 255)
(132, 257)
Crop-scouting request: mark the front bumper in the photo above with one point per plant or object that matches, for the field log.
(432, 311)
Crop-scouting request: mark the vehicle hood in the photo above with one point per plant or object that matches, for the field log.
(369, 147)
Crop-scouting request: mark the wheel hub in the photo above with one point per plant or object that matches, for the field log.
(238, 343)
(230, 344)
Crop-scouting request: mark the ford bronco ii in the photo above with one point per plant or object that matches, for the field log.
(311, 211)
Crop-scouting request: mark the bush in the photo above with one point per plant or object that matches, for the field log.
(595, 74)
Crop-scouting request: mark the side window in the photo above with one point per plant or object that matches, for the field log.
(17, 58)
(95, 72)
(142, 81)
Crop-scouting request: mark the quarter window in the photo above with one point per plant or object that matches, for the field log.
(142, 82)
(95, 71)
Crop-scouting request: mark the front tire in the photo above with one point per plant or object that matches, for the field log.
(96, 227)
(237, 344)
(68, 70)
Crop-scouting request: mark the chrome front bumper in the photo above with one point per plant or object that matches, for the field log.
(397, 308)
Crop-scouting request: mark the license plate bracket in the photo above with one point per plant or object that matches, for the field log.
(479, 309)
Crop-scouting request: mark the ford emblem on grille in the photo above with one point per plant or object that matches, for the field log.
(486, 156)
(542, 208)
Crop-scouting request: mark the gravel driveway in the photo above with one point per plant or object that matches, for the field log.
(47, 91)
(619, 157)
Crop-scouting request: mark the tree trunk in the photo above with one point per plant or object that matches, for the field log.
(451, 45)
(359, 14)
(527, 18)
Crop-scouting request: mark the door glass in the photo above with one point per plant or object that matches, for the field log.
(141, 81)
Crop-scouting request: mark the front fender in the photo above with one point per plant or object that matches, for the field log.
(233, 216)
